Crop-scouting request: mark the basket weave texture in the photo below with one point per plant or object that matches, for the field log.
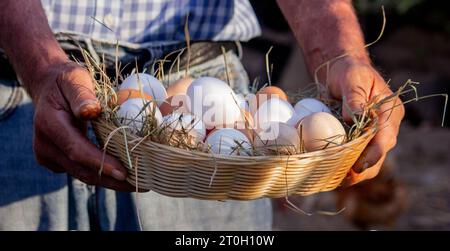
(181, 173)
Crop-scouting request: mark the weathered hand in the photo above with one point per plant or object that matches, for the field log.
(359, 82)
(64, 99)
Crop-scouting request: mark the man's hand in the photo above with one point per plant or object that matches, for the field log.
(325, 30)
(62, 93)
(359, 82)
(64, 99)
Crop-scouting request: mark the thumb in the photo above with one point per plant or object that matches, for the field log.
(352, 104)
(356, 92)
(76, 85)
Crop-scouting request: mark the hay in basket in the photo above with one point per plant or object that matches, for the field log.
(156, 163)
(175, 168)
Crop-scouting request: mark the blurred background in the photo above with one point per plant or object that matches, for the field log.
(413, 190)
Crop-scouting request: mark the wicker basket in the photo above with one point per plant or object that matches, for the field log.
(181, 173)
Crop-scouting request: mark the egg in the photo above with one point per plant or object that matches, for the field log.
(269, 92)
(274, 109)
(179, 103)
(308, 106)
(132, 113)
(277, 137)
(294, 120)
(245, 121)
(246, 124)
(125, 94)
(213, 101)
(180, 86)
(321, 130)
(186, 123)
(228, 141)
(149, 84)
(249, 133)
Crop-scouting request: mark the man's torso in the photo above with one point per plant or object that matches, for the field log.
(140, 23)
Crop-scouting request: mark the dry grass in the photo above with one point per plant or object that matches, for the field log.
(106, 91)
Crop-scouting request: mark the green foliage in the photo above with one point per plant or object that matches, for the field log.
(400, 6)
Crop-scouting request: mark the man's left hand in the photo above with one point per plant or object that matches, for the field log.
(359, 83)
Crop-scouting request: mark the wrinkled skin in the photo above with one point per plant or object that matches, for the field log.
(359, 82)
(63, 95)
(63, 102)
(326, 29)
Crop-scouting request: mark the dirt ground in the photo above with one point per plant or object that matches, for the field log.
(421, 163)
(416, 194)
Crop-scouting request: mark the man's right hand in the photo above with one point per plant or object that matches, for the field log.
(64, 99)
(62, 92)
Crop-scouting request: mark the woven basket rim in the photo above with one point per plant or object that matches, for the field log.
(369, 131)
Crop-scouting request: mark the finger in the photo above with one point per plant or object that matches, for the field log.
(356, 87)
(49, 154)
(354, 177)
(384, 140)
(122, 186)
(53, 156)
(391, 112)
(76, 146)
(77, 88)
(93, 178)
(389, 119)
(43, 153)
(43, 158)
(368, 158)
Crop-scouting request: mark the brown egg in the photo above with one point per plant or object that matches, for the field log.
(125, 94)
(246, 124)
(268, 93)
(246, 120)
(321, 130)
(177, 103)
(179, 87)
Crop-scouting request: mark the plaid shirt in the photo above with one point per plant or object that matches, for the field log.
(141, 23)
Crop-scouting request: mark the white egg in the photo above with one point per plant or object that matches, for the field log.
(308, 106)
(277, 136)
(132, 113)
(273, 110)
(293, 121)
(187, 123)
(228, 141)
(214, 101)
(149, 84)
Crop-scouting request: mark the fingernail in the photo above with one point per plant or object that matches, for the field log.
(89, 102)
(360, 165)
(118, 175)
(364, 166)
(346, 181)
(368, 158)
(89, 109)
(359, 168)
